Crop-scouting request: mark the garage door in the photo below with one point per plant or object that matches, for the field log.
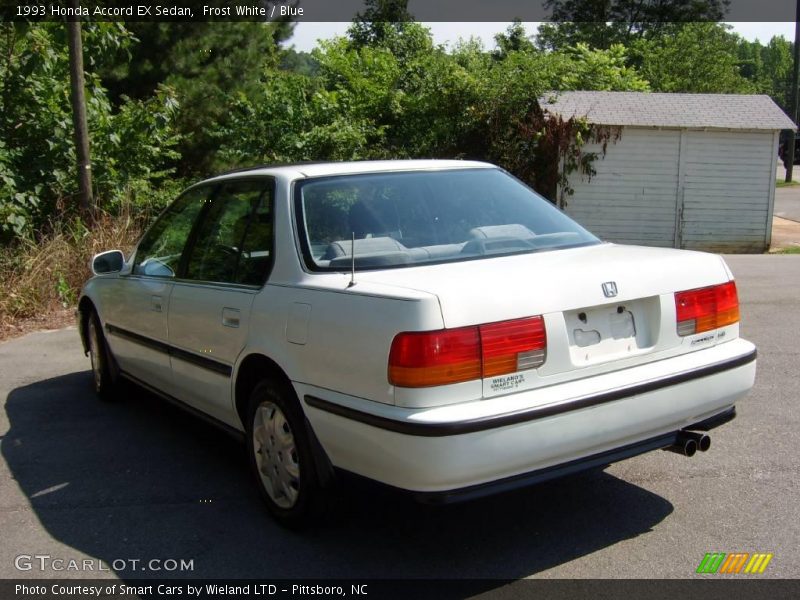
(633, 197)
(703, 190)
(727, 183)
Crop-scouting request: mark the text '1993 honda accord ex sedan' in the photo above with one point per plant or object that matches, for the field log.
(433, 325)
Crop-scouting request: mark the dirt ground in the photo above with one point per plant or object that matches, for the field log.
(56, 320)
(785, 234)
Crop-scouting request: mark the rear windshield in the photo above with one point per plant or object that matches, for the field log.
(390, 220)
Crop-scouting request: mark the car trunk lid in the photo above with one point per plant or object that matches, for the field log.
(605, 307)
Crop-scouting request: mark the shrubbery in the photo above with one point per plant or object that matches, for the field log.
(132, 145)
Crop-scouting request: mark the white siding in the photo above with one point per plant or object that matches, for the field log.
(710, 189)
(632, 198)
(726, 191)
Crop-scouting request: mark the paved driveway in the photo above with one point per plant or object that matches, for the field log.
(139, 479)
(787, 202)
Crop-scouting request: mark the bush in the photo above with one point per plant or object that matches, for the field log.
(39, 278)
(131, 146)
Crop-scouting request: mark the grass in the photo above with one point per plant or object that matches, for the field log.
(789, 250)
(780, 183)
(43, 277)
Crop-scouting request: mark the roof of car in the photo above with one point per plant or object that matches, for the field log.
(322, 169)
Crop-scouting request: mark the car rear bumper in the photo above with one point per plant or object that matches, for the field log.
(533, 435)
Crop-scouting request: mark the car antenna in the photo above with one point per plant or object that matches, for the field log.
(352, 261)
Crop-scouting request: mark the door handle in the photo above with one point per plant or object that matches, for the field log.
(230, 317)
(155, 303)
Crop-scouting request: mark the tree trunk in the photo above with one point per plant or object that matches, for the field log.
(77, 85)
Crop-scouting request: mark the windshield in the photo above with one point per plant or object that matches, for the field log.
(417, 217)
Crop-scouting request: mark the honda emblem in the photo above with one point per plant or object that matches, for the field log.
(610, 289)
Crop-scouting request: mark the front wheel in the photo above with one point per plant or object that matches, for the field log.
(280, 455)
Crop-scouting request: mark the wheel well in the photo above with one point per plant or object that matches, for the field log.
(255, 368)
(85, 308)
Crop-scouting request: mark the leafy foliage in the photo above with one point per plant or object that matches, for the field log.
(208, 66)
(384, 24)
(515, 39)
(366, 102)
(603, 23)
(769, 68)
(37, 154)
(699, 57)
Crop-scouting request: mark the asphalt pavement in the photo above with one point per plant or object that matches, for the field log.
(787, 202)
(138, 479)
(787, 199)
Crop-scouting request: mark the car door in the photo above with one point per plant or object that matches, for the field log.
(209, 310)
(137, 306)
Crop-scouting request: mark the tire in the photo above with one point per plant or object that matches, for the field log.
(280, 456)
(102, 377)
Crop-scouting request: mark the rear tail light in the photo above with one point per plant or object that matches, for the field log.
(435, 357)
(706, 308)
(429, 358)
(512, 346)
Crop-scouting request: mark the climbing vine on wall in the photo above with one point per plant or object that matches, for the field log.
(557, 151)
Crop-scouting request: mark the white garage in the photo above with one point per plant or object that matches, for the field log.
(689, 170)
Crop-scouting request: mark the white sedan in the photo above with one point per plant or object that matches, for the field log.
(433, 325)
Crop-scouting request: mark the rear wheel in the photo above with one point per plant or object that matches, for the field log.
(280, 455)
(99, 355)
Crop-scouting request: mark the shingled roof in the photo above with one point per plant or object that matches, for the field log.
(642, 109)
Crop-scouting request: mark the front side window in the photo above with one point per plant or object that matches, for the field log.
(410, 218)
(159, 251)
(233, 243)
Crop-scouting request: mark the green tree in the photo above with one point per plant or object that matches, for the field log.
(299, 62)
(381, 24)
(294, 119)
(132, 144)
(775, 78)
(582, 68)
(366, 102)
(602, 23)
(209, 66)
(699, 57)
(515, 39)
(768, 68)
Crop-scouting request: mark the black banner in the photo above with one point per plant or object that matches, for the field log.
(709, 589)
(345, 10)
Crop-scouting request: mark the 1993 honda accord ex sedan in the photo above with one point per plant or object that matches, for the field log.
(432, 325)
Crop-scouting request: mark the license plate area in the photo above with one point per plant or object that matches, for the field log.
(611, 331)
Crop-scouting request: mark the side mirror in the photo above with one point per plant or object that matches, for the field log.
(108, 262)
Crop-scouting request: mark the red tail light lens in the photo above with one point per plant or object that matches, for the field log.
(706, 308)
(429, 358)
(512, 346)
(435, 357)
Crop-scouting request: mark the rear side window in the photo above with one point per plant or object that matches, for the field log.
(233, 243)
(405, 219)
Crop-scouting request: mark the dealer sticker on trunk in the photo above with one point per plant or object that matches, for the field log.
(507, 383)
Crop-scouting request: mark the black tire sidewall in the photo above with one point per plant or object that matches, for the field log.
(309, 490)
(105, 387)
